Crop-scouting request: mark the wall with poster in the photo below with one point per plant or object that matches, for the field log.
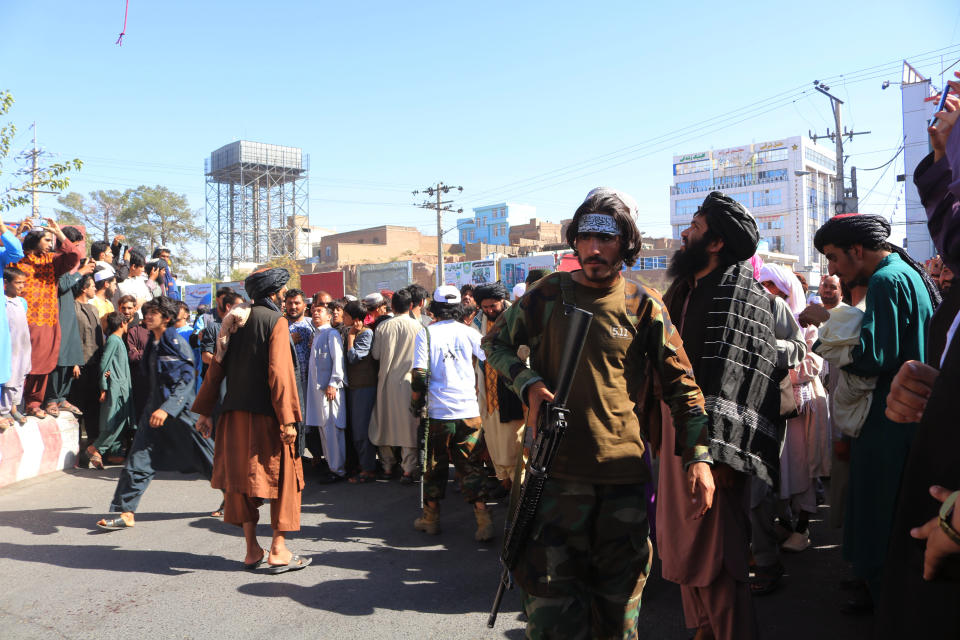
(197, 294)
(475, 272)
(330, 281)
(389, 275)
(515, 270)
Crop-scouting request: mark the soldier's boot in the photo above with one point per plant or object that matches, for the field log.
(484, 525)
(429, 522)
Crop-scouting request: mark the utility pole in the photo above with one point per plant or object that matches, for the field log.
(440, 206)
(846, 202)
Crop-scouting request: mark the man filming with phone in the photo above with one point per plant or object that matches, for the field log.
(585, 563)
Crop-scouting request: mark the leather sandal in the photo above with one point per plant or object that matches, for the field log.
(36, 412)
(52, 409)
(94, 456)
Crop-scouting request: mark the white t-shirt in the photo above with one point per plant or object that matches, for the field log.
(453, 392)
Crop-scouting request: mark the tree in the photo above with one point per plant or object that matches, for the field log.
(291, 265)
(49, 178)
(101, 215)
(156, 217)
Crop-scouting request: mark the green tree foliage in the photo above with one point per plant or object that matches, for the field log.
(155, 216)
(50, 178)
(100, 214)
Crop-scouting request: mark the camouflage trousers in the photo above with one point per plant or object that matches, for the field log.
(584, 567)
(454, 441)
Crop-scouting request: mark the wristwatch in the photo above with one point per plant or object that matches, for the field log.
(946, 511)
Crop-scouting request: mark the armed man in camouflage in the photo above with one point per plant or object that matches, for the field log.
(583, 569)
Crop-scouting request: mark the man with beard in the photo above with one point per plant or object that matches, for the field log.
(501, 411)
(829, 291)
(727, 322)
(583, 569)
(165, 439)
(899, 304)
(301, 331)
(43, 268)
(256, 457)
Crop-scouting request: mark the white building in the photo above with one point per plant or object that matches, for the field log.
(786, 184)
(916, 145)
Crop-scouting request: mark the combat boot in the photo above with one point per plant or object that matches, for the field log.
(429, 522)
(484, 525)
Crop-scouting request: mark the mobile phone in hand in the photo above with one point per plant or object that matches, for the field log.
(941, 104)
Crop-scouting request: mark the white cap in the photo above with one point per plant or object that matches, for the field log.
(104, 274)
(374, 300)
(519, 289)
(447, 293)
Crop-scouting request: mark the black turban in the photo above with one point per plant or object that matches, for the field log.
(265, 282)
(852, 228)
(733, 223)
(494, 290)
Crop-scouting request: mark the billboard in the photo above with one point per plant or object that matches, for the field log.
(389, 275)
(475, 272)
(515, 270)
(330, 281)
(197, 294)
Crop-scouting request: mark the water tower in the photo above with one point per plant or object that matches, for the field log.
(257, 204)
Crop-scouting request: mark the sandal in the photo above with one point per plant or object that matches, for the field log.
(19, 417)
(114, 524)
(296, 563)
(362, 478)
(218, 512)
(72, 408)
(52, 409)
(94, 457)
(5, 423)
(36, 412)
(766, 579)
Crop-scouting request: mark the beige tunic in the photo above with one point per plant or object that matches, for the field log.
(392, 424)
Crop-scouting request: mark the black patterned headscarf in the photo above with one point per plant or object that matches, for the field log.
(733, 223)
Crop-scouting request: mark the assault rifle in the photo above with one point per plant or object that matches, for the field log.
(551, 424)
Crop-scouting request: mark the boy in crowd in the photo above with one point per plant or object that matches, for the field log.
(116, 411)
(11, 392)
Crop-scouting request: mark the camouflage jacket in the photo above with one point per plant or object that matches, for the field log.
(656, 367)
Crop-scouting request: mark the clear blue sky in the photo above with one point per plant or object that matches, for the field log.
(389, 97)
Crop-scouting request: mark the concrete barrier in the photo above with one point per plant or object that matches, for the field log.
(38, 447)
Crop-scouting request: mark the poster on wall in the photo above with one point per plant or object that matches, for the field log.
(198, 294)
(515, 270)
(389, 275)
(475, 272)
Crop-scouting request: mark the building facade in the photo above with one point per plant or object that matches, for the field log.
(916, 145)
(787, 184)
(491, 223)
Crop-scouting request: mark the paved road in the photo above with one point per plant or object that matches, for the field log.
(175, 575)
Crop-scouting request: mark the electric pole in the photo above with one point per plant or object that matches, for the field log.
(845, 202)
(440, 206)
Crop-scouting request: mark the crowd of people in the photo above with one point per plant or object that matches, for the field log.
(712, 420)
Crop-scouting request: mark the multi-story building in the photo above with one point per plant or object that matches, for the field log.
(491, 223)
(787, 184)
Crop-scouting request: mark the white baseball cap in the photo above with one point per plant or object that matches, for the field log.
(447, 293)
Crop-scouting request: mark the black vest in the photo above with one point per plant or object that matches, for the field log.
(246, 364)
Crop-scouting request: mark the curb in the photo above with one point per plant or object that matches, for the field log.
(38, 447)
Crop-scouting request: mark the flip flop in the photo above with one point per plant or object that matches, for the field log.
(252, 566)
(114, 524)
(296, 563)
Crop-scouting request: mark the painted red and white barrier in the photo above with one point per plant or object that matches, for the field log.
(38, 447)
